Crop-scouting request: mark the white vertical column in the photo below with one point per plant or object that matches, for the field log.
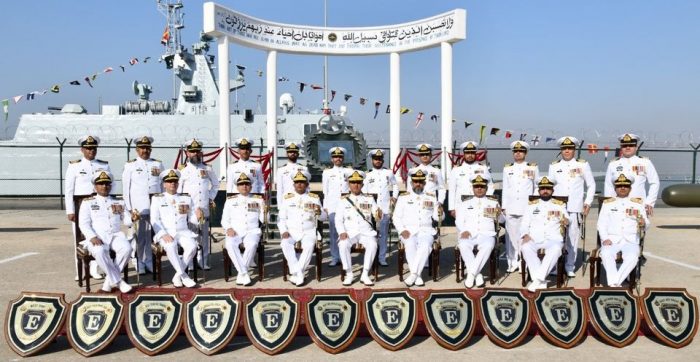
(395, 105)
(446, 106)
(271, 106)
(224, 109)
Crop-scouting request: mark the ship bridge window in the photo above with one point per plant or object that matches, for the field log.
(310, 129)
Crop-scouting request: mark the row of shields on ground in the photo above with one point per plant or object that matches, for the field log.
(333, 319)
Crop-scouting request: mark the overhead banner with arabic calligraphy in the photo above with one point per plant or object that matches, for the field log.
(425, 33)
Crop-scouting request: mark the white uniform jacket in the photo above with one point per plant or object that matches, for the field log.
(201, 183)
(172, 215)
(477, 215)
(383, 183)
(618, 219)
(297, 215)
(102, 217)
(643, 171)
(141, 179)
(78, 180)
(543, 220)
(243, 214)
(416, 212)
(356, 220)
(519, 182)
(571, 176)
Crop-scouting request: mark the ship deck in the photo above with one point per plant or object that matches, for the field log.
(36, 256)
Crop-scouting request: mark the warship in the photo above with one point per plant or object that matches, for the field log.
(43, 144)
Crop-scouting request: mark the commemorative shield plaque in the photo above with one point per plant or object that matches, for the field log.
(154, 320)
(450, 318)
(93, 322)
(332, 321)
(560, 314)
(271, 322)
(505, 316)
(391, 318)
(614, 314)
(33, 320)
(211, 320)
(671, 314)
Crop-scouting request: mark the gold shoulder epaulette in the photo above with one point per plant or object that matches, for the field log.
(509, 164)
(491, 197)
(532, 163)
(185, 194)
(555, 162)
(611, 199)
(257, 196)
(467, 197)
(118, 197)
(130, 161)
(532, 202)
(288, 195)
(101, 161)
(231, 196)
(344, 196)
(89, 198)
(557, 202)
(581, 160)
(181, 167)
(158, 194)
(636, 200)
(430, 194)
(616, 158)
(315, 196)
(403, 193)
(155, 159)
(74, 161)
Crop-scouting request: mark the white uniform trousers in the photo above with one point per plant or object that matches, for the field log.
(203, 254)
(576, 219)
(540, 269)
(142, 244)
(298, 263)
(333, 236)
(417, 247)
(630, 255)
(383, 236)
(189, 247)
(474, 263)
(113, 268)
(250, 243)
(513, 239)
(370, 244)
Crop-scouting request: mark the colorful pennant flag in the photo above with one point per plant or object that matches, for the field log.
(87, 80)
(107, 70)
(301, 87)
(30, 95)
(376, 109)
(549, 139)
(363, 101)
(522, 136)
(332, 95)
(419, 119)
(75, 82)
(259, 72)
(283, 79)
(123, 69)
(145, 60)
(467, 124)
(347, 96)
(592, 148)
(17, 98)
(405, 110)
(508, 134)
(535, 140)
(133, 61)
(434, 118)
(6, 108)
(166, 36)
(316, 87)
(481, 134)
(388, 108)
(56, 88)
(494, 131)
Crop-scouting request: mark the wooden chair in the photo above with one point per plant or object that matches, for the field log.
(525, 274)
(595, 261)
(318, 252)
(460, 267)
(84, 257)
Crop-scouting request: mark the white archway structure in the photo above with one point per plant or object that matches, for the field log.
(439, 30)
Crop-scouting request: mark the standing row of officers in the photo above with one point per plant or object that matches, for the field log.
(171, 207)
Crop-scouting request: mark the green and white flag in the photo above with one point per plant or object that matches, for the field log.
(6, 108)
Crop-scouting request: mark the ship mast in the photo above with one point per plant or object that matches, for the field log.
(326, 103)
(171, 39)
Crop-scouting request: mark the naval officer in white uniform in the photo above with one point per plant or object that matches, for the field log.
(200, 182)
(172, 214)
(639, 168)
(570, 177)
(476, 217)
(78, 182)
(434, 182)
(140, 180)
(101, 217)
(241, 218)
(519, 180)
(413, 217)
(283, 178)
(299, 214)
(245, 164)
(381, 183)
(621, 222)
(355, 220)
(542, 228)
(460, 181)
(334, 185)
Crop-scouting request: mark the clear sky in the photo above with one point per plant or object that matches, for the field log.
(590, 68)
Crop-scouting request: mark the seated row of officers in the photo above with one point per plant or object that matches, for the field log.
(359, 207)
